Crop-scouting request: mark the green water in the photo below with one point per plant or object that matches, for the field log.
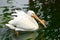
(49, 10)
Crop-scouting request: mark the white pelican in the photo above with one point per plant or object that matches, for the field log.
(25, 21)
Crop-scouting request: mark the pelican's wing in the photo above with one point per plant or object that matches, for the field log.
(26, 22)
(10, 26)
(27, 16)
(20, 12)
(23, 22)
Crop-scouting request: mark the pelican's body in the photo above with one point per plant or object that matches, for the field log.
(23, 22)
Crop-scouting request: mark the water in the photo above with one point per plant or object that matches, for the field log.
(47, 10)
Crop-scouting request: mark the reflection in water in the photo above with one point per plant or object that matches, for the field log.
(28, 36)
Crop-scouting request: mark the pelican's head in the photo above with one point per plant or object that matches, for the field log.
(32, 14)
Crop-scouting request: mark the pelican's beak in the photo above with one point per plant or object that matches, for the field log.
(39, 20)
